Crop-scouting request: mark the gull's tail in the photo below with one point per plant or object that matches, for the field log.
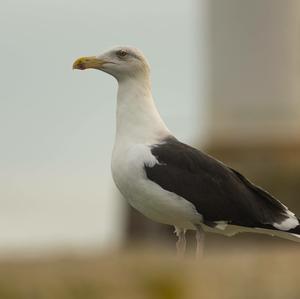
(231, 230)
(292, 234)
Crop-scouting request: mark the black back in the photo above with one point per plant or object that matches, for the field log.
(217, 191)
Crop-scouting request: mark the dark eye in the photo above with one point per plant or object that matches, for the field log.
(121, 53)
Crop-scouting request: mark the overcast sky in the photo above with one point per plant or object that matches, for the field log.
(57, 125)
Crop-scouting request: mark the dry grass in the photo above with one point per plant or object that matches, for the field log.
(141, 274)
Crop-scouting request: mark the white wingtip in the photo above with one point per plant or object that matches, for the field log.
(288, 223)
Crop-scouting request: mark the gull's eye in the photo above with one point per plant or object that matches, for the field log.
(121, 53)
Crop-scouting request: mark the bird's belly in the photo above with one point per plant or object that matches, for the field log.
(156, 203)
(163, 206)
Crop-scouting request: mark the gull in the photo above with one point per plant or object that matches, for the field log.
(171, 182)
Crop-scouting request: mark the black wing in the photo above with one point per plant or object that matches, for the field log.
(217, 191)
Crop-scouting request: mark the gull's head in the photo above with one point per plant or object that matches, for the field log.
(120, 62)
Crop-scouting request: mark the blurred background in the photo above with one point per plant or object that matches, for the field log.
(226, 80)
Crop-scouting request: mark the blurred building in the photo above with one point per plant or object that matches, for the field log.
(254, 96)
(253, 102)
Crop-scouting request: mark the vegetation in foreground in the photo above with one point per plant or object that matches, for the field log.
(142, 274)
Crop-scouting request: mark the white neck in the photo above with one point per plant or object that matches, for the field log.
(138, 120)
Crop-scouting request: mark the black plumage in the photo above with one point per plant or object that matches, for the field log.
(218, 192)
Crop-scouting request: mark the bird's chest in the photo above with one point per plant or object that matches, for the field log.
(128, 171)
(130, 178)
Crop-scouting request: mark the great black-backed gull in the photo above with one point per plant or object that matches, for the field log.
(174, 183)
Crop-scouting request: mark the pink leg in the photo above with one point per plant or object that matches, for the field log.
(200, 242)
(181, 242)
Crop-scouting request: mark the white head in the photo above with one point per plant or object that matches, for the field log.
(120, 62)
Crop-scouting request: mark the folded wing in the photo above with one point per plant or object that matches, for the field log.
(218, 192)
